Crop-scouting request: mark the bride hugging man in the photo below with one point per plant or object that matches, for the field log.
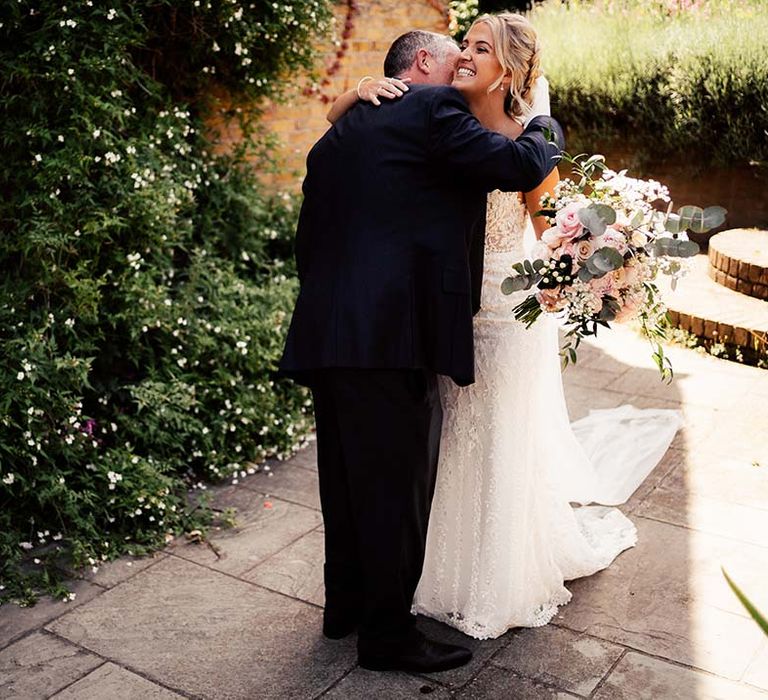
(446, 461)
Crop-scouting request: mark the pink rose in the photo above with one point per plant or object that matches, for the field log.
(583, 249)
(615, 239)
(604, 286)
(567, 220)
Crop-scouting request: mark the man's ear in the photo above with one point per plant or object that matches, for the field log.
(424, 61)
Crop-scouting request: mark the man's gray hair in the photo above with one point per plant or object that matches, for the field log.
(403, 50)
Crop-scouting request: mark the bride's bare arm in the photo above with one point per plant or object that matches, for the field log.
(368, 91)
(533, 201)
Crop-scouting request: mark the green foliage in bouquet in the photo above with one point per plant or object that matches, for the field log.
(146, 279)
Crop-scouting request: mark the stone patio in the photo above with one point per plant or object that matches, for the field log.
(241, 619)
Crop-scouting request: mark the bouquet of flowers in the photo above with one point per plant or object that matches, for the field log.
(608, 242)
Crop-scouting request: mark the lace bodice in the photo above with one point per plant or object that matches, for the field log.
(505, 231)
(505, 222)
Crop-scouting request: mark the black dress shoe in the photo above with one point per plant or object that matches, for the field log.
(415, 653)
(337, 625)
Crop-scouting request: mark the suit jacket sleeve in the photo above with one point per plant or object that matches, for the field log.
(485, 158)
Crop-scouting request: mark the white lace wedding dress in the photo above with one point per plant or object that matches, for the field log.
(504, 531)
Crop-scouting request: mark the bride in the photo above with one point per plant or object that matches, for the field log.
(510, 522)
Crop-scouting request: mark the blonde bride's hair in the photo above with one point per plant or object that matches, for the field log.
(517, 49)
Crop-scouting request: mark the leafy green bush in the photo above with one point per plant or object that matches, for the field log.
(146, 276)
(665, 77)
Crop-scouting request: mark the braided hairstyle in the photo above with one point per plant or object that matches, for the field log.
(519, 53)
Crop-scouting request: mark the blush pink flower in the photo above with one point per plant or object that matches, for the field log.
(568, 223)
(550, 300)
(603, 286)
(615, 239)
(583, 249)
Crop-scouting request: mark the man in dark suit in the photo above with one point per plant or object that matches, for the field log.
(391, 198)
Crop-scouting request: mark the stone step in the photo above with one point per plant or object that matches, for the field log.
(739, 260)
(706, 309)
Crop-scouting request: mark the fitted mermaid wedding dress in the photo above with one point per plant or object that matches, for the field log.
(510, 521)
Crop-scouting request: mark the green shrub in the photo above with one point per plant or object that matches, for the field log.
(664, 77)
(146, 277)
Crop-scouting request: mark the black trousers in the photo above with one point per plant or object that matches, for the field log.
(378, 436)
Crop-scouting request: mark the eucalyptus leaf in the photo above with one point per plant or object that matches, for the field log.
(689, 215)
(663, 246)
(606, 259)
(701, 220)
(714, 217)
(515, 284)
(672, 223)
(597, 217)
(687, 249)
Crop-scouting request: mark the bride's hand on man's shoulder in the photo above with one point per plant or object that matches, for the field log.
(373, 89)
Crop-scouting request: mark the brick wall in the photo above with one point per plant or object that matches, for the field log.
(375, 24)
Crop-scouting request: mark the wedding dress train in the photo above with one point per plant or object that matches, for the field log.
(510, 521)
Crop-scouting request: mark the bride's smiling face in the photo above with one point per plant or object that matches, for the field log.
(478, 68)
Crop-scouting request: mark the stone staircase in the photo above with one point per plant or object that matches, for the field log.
(724, 298)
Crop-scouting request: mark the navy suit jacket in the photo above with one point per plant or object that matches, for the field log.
(394, 195)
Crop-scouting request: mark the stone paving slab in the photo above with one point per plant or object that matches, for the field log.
(716, 389)
(204, 633)
(289, 482)
(661, 472)
(16, 621)
(708, 514)
(296, 571)
(264, 527)
(369, 685)
(640, 677)
(307, 457)
(723, 477)
(757, 673)
(497, 684)
(667, 597)
(110, 682)
(111, 573)
(39, 665)
(559, 657)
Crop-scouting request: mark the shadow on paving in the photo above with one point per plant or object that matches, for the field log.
(241, 619)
